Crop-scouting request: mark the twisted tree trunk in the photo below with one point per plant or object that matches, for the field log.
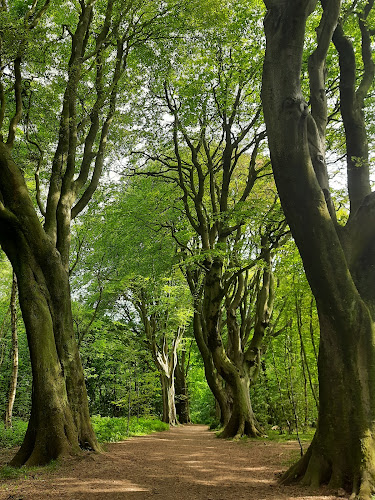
(339, 261)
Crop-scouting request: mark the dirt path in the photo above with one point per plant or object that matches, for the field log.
(185, 463)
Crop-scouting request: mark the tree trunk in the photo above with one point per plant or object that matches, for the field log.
(238, 362)
(182, 394)
(242, 421)
(59, 422)
(14, 375)
(169, 406)
(339, 263)
(215, 383)
(343, 450)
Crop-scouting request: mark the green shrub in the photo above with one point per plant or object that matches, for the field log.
(112, 429)
(107, 429)
(13, 436)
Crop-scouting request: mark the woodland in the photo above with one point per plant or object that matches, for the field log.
(185, 224)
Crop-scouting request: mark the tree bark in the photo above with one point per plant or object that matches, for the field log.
(59, 421)
(242, 421)
(232, 364)
(168, 392)
(14, 374)
(182, 393)
(214, 381)
(338, 262)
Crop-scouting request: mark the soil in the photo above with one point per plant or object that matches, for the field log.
(184, 463)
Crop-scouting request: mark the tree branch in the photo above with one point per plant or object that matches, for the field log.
(18, 98)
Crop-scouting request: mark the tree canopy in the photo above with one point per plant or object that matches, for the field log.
(186, 214)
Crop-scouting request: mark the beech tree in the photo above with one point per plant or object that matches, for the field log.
(127, 269)
(338, 258)
(63, 73)
(211, 152)
(164, 314)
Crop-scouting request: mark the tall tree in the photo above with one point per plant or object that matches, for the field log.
(164, 313)
(213, 156)
(84, 57)
(338, 259)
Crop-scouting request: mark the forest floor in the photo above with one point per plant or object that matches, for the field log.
(184, 463)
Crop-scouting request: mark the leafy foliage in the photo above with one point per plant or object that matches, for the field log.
(110, 430)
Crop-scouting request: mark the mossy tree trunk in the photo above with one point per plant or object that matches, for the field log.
(238, 362)
(39, 251)
(339, 260)
(214, 380)
(59, 421)
(14, 373)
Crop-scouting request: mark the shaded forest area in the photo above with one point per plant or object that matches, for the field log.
(186, 225)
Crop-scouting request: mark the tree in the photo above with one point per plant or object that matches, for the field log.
(338, 259)
(136, 277)
(182, 390)
(164, 313)
(84, 56)
(213, 155)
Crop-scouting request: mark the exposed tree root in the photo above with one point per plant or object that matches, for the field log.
(314, 470)
(239, 426)
(52, 438)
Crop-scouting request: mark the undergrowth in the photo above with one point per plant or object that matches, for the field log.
(107, 430)
(112, 429)
(13, 436)
(8, 472)
(307, 435)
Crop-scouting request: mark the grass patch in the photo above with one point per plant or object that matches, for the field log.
(13, 436)
(107, 429)
(112, 429)
(8, 472)
(276, 436)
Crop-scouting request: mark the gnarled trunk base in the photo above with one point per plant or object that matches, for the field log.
(242, 421)
(315, 468)
(342, 453)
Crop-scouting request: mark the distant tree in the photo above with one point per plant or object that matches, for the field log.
(164, 313)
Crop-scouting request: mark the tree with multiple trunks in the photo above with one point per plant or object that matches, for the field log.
(164, 313)
(61, 74)
(136, 276)
(212, 139)
(338, 258)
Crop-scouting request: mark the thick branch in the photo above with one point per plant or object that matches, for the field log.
(354, 124)
(18, 98)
